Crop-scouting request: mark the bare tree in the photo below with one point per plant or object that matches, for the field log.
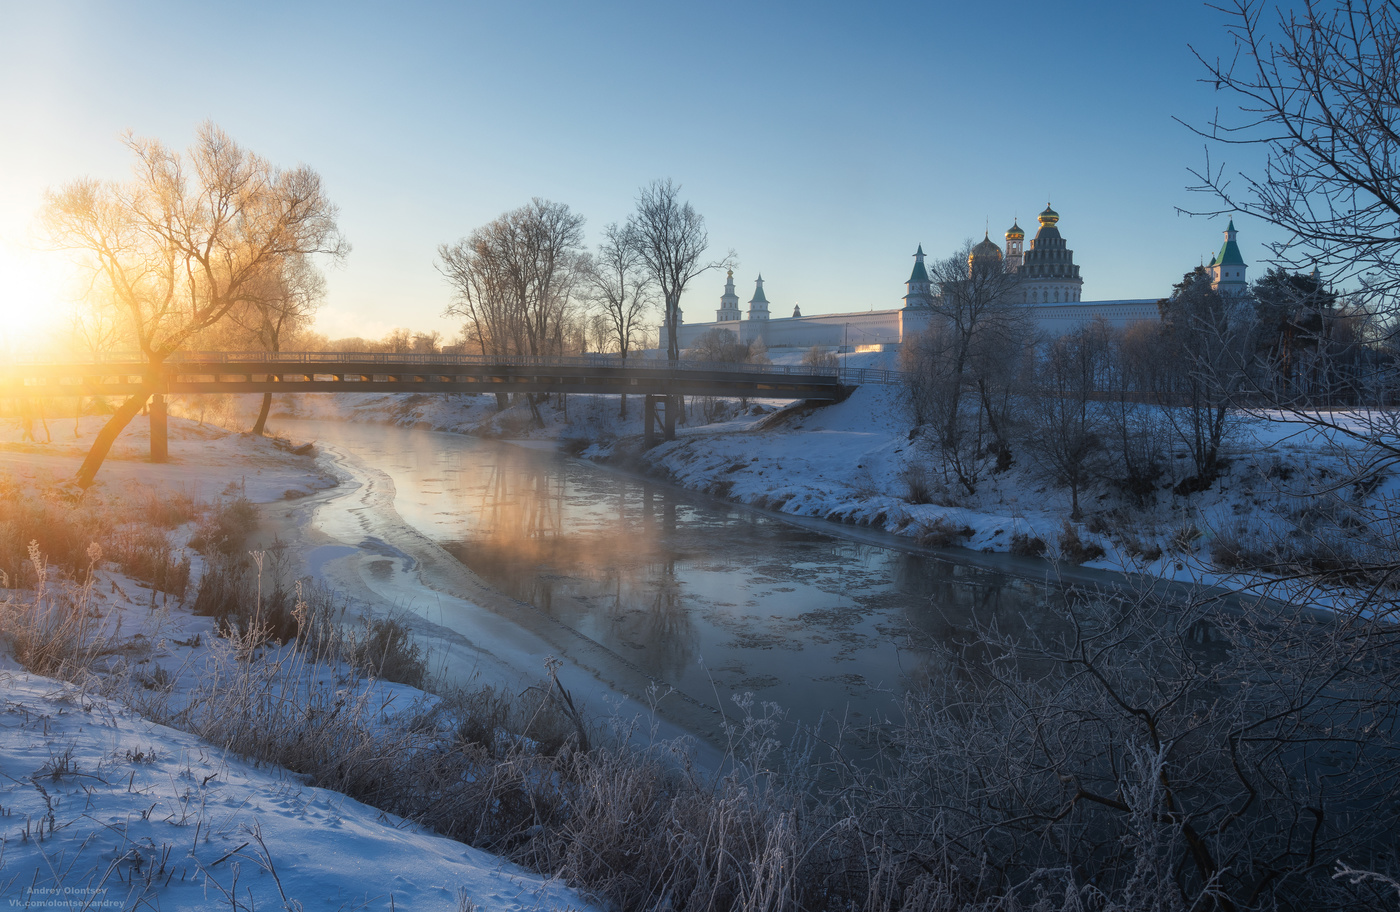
(427, 343)
(619, 287)
(1210, 338)
(185, 241)
(1317, 88)
(514, 278)
(514, 281)
(963, 369)
(671, 239)
(1066, 422)
(1136, 425)
(283, 302)
(482, 297)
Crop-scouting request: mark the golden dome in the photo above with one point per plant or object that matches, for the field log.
(986, 252)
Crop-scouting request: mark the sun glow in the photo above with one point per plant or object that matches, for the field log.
(36, 299)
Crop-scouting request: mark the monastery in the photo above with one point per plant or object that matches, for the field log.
(1048, 284)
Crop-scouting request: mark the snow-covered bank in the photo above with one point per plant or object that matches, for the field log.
(105, 809)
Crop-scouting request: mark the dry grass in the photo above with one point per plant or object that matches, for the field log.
(64, 527)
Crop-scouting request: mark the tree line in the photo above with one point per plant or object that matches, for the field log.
(524, 283)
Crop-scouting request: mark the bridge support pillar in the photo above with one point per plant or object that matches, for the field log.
(160, 447)
(649, 421)
(673, 404)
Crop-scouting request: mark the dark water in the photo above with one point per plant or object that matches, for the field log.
(710, 599)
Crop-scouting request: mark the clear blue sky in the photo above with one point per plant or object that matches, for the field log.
(822, 142)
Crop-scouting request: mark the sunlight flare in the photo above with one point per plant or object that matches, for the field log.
(36, 298)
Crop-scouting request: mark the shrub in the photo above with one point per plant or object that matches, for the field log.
(919, 483)
(1183, 540)
(1074, 549)
(820, 358)
(385, 649)
(226, 528)
(940, 533)
(573, 446)
(1025, 544)
(144, 552)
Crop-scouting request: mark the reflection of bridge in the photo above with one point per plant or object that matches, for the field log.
(336, 372)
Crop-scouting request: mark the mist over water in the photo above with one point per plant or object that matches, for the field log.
(708, 598)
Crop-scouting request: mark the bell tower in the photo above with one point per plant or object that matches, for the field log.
(1015, 243)
(728, 302)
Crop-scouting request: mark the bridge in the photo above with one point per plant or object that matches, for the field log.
(192, 373)
(377, 372)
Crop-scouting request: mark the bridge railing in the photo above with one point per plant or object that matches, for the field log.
(858, 376)
(331, 359)
(850, 375)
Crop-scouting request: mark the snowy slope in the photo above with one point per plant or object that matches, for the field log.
(103, 809)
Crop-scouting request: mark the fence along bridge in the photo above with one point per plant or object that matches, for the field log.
(192, 373)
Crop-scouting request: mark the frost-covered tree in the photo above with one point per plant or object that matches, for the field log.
(182, 243)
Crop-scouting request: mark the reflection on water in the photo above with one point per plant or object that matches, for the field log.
(710, 599)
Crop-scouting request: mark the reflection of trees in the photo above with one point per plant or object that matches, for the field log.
(622, 574)
(646, 610)
(949, 605)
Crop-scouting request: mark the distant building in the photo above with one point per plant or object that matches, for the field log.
(1228, 268)
(1048, 283)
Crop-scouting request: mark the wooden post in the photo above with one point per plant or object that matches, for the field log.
(160, 447)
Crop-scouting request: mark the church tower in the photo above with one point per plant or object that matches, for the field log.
(1047, 272)
(758, 307)
(728, 302)
(1228, 268)
(1015, 240)
(920, 288)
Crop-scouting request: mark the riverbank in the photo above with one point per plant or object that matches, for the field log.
(856, 465)
(104, 806)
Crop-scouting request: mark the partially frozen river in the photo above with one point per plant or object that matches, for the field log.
(708, 598)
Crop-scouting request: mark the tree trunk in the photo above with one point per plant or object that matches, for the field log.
(160, 430)
(673, 348)
(260, 425)
(502, 401)
(102, 444)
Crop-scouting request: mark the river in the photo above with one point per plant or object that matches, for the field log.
(711, 599)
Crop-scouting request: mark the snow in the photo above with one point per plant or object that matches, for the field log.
(101, 808)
